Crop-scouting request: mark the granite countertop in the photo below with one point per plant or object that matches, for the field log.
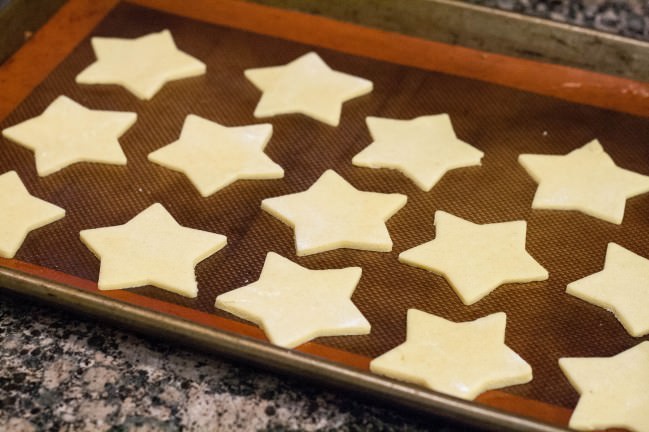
(60, 371)
(629, 18)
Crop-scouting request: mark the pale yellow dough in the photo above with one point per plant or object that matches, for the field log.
(151, 249)
(294, 304)
(614, 390)
(460, 359)
(424, 148)
(476, 259)
(213, 156)
(141, 65)
(333, 214)
(67, 133)
(21, 213)
(586, 179)
(622, 287)
(307, 86)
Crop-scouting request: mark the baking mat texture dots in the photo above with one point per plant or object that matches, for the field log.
(543, 322)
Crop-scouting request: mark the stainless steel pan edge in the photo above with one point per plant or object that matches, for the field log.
(266, 356)
(483, 28)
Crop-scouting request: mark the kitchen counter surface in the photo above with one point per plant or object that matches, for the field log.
(60, 371)
(629, 18)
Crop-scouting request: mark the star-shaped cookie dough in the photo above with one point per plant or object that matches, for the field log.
(213, 156)
(332, 214)
(613, 390)
(306, 86)
(142, 65)
(476, 259)
(151, 249)
(21, 213)
(586, 179)
(68, 133)
(460, 359)
(294, 304)
(424, 148)
(621, 287)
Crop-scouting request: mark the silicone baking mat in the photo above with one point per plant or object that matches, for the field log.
(543, 322)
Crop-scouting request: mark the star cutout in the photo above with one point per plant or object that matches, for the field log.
(586, 179)
(307, 86)
(151, 249)
(67, 133)
(294, 304)
(213, 156)
(424, 148)
(460, 359)
(613, 390)
(332, 214)
(622, 287)
(476, 259)
(21, 213)
(142, 65)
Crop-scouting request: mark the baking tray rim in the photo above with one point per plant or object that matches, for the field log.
(564, 82)
(262, 354)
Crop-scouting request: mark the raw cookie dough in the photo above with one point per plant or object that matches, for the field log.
(332, 214)
(67, 133)
(613, 390)
(294, 304)
(476, 259)
(586, 179)
(151, 249)
(213, 156)
(621, 287)
(142, 65)
(460, 359)
(424, 148)
(21, 213)
(307, 86)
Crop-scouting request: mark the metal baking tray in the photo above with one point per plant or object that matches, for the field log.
(503, 106)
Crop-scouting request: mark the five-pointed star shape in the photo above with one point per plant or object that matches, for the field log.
(67, 133)
(476, 259)
(307, 86)
(213, 156)
(332, 214)
(21, 213)
(151, 249)
(142, 65)
(294, 304)
(622, 287)
(613, 390)
(586, 179)
(460, 359)
(424, 148)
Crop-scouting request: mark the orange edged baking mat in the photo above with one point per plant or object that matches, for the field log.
(501, 105)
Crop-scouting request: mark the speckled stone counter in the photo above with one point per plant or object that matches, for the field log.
(59, 371)
(64, 372)
(628, 18)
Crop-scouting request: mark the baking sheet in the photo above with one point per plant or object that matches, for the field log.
(543, 322)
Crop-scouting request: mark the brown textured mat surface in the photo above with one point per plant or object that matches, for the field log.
(543, 322)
